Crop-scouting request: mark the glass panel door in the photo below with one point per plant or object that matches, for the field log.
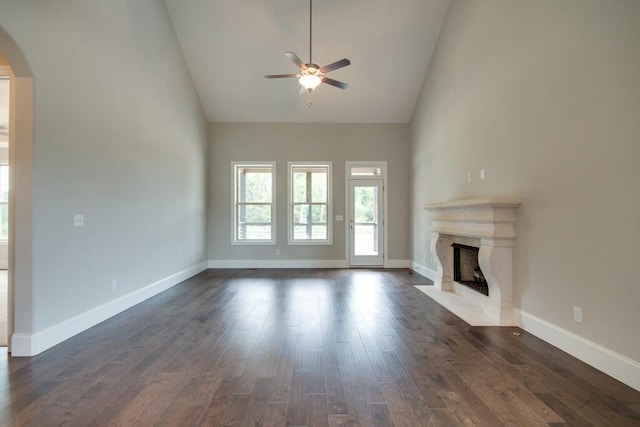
(366, 231)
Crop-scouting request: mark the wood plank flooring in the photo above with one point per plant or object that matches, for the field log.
(306, 348)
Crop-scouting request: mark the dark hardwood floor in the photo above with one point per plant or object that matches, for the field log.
(306, 348)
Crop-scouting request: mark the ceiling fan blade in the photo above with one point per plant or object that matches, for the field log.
(296, 60)
(279, 76)
(335, 83)
(335, 65)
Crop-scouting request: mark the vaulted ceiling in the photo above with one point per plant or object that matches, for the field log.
(229, 45)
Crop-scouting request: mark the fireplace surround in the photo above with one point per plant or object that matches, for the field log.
(492, 221)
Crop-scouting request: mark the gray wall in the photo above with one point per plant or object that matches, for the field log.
(544, 95)
(305, 142)
(120, 137)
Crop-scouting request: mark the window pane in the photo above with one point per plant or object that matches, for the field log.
(366, 239)
(319, 232)
(258, 232)
(366, 220)
(300, 213)
(319, 187)
(300, 232)
(4, 221)
(319, 213)
(365, 198)
(254, 185)
(365, 171)
(254, 213)
(254, 222)
(299, 187)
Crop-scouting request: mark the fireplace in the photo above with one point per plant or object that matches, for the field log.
(491, 222)
(466, 269)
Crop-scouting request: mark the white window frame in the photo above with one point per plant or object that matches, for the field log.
(329, 239)
(234, 203)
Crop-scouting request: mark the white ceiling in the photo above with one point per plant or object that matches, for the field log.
(229, 46)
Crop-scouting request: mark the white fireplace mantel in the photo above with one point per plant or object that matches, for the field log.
(492, 220)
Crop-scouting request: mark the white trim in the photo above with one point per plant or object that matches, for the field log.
(277, 263)
(423, 270)
(611, 363)
(296, 263)
(234, 241)
(397, 263)
(329, 239)
(32, 344)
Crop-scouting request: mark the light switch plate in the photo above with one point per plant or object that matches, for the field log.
(78, 220)
(577, 314)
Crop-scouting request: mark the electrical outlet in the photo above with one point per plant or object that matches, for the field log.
(277, 251)
(481, 174)
(114, 284)
(577, 314)
(468, 176)
(433, 261)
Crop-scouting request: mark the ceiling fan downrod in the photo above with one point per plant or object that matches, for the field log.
(310, 29)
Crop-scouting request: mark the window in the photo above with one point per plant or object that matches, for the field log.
(4, 202)
(366, 170)
(254, 208)
(359, 171)
(309, 203)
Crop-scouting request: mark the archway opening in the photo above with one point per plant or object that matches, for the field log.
(20, 131)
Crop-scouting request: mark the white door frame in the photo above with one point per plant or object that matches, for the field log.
(385, 185)
(6, 72)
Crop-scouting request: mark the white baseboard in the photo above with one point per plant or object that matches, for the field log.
(32, 344)
(296, 263)
(611, 363)
(397, 263)
(277, 263)
(423, 270)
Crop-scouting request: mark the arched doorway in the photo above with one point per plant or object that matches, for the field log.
(21, 132)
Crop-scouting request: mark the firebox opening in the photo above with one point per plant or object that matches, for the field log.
(466, 269)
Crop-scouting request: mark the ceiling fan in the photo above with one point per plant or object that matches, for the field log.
(311, 75)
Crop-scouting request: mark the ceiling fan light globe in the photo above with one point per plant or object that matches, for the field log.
(309, 81)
